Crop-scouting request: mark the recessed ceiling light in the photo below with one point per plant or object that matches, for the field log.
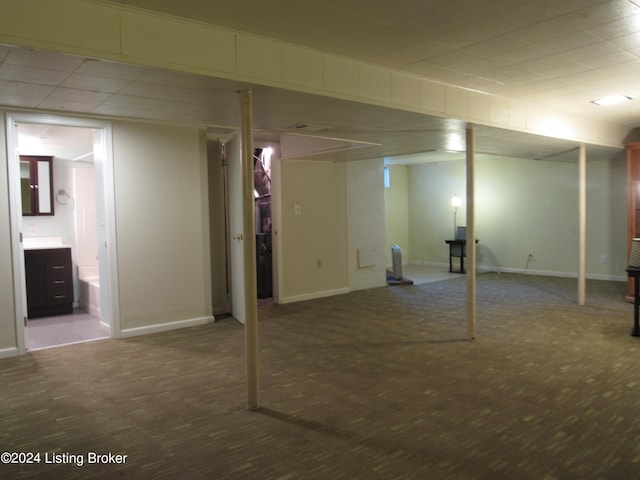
(611, 99)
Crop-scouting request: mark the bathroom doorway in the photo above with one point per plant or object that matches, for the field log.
(78, 225)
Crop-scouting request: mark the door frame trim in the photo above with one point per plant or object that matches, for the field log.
(11, 119)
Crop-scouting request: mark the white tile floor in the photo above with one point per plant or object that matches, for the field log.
(425, 274)
(63, 329)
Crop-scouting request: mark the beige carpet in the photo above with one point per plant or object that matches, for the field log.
(376, 384)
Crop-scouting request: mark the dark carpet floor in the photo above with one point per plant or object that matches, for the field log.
(376, 384)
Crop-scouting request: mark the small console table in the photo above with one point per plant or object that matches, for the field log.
(634, 273)
(457, 248)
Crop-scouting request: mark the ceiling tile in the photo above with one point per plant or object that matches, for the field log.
(23, 94)
(617, 60)
(547, 62)
(622, 27)
(520, 55)
(110, 69)
(73, 99)
(43, 60)
(557, 51)
(456, 60)
(628, 42)
(497, 45)
(569, 42)
(34, 75)
(347, 27)
(94, 83)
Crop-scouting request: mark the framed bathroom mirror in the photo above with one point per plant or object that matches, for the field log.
(36, 182)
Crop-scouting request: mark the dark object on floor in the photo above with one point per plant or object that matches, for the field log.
(392, 280)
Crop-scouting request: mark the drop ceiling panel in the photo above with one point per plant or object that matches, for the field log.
(561, 52)
(34, 75)
(42, 60)
(69, 143)
(106, 69)
(95, 83)
(448, 41)
(29, 93)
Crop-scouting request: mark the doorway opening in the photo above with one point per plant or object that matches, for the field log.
(63, 283)
(72, 226)
(262, 192)
(265, 156)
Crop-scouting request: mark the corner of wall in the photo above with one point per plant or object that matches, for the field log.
(8, 334)
(366, 224)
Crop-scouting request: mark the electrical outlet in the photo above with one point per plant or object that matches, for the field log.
(603, 259)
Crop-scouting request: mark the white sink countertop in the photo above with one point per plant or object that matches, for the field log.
(36, 243)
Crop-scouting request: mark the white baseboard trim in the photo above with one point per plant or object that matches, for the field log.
(314, 295)
(163, 327)
(610, 278)
(8, 352)
(543, 273)
(427, 263)
(404, 264)
(551, 273)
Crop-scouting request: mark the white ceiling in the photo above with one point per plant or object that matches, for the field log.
(564, 53)
(69, 143)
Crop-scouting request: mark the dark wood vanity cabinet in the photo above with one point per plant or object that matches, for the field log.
(49, 282)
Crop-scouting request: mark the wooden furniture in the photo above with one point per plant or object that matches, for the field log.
(36, 182)
(49, 281)
(633, 204)
(634, 273)
(457, 248)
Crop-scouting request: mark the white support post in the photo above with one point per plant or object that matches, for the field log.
(582, 225)
(471, 235)
(249, 253)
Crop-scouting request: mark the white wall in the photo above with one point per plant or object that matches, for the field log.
(341, 215)
(86, 226)
(161, 224)
(430, 188)
(314, 242)
(607, 218)
(522, 207)
(366, 224)
(396, 211)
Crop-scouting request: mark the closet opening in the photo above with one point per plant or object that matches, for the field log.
(262, 192)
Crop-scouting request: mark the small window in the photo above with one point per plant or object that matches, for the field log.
(387, 182)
